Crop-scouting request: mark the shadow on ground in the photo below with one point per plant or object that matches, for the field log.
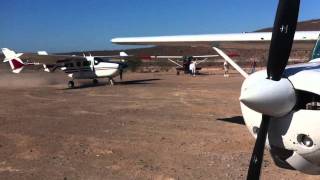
(234, 120)
(132, 82)
(142, 81)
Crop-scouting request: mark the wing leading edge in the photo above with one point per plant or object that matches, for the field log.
(211, 39)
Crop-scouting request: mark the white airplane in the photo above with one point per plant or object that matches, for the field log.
(280, 105)
(186, 61)
(77, 67)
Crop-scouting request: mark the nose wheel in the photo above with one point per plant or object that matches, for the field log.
(95, 81)
(71, 84)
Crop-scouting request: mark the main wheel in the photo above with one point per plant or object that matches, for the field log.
(178, 73)
(95, 81)
(71, 84)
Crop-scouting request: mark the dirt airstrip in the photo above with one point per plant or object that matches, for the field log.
(151, 126)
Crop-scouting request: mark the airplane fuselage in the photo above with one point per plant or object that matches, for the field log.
(91, 69)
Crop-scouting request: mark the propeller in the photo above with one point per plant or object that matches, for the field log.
(281, 44)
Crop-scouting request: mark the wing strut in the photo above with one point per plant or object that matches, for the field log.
(174, 62)
(231, 62)
(201, 61)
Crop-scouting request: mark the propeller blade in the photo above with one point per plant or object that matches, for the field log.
(282, 37)
(257, 154)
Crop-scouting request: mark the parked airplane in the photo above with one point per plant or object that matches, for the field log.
(77, 67)
(186, 61)
(280, 105)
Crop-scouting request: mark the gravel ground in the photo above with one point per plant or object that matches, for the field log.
(151, 126)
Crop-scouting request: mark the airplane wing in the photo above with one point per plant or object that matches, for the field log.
(216, 40)
(122, 55)
(50, 59)
(42, 57)
(206, 56)
(181, 57)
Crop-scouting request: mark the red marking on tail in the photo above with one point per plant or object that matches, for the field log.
(233, 54)
(145, 57)
(17, 64)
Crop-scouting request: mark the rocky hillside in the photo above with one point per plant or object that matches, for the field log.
(310, 25)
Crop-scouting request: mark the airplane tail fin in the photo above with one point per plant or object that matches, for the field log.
(17, 65)
(123, 54)
(14, 60)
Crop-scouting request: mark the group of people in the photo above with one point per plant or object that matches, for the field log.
(193, 68)
(190, 65)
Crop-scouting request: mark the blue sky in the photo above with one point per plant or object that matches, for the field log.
(75, 25)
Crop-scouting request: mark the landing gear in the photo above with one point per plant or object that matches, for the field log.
(71, 84)
(95, 81)
(178, 73)
(111, 82)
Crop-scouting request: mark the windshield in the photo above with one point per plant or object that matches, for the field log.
(99, 60)
(316, 50)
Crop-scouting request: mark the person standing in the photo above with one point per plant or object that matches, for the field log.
(253, 66)
(226, 69)
(193, 68)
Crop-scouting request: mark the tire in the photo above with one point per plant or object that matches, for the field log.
(95, 81)
(71, 84)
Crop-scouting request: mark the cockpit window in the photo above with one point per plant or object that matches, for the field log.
(99, 60)
(316, 50)
(68, 65)
(86, 63)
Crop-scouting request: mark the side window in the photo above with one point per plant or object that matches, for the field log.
(69, 65)
(86, 63)
(97, 61)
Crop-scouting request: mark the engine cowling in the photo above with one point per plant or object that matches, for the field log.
(297, 132)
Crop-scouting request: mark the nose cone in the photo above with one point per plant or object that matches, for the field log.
(273, 98)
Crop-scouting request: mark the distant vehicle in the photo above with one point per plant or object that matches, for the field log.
(280, 105)
(186, 61)
(77, 67)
